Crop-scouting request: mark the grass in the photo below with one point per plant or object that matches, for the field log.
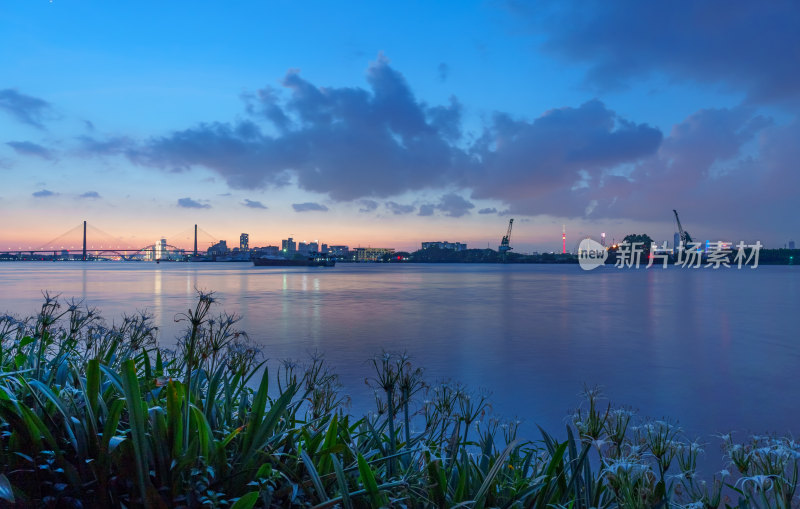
(97, 415)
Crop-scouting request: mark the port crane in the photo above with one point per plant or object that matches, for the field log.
(504, 247)
(685, 237)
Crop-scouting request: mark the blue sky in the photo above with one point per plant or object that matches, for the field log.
(408, 122)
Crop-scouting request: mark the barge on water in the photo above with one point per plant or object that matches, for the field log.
(310, 261)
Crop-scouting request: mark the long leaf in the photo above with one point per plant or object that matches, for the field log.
(489, 479)
(247, 501)
(342, 479)
(6, 491)
(368, 479)
(315, 479)
(133, 398)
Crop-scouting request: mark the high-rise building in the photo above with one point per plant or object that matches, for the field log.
(564, 239)
(244, 242)
(313, 247)
(289, 245)
(324, 249)
(676, 242)
(161, 250)
(791, 244)
(603, 239)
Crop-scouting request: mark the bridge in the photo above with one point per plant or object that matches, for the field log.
(71, 245)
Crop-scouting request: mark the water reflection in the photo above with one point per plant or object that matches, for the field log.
(716, 349)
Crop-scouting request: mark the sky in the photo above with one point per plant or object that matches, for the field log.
(389, 124)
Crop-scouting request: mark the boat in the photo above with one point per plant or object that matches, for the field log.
(311, 261)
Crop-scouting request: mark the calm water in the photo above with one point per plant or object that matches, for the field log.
(714, 349)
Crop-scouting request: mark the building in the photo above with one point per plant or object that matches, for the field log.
(455, 246)
(313, 247)
(371, 254)
(289, 246)
(266, 251)
(302, 248)
(244, 242)
(791, 244)
(676, 242)
(218, 249)
(339, 251)
(324, 249)
(160, 251)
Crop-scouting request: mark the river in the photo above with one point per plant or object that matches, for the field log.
(714, 349)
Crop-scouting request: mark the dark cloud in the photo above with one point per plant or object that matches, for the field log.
(559, 151)
(443, 71)
(426, 209)
(28, 148)
(25, 108)
(90, 194)
(253, 204)
(399, 209)
(747, 46)
(585, 161)
(367, 205)
(490, 210)
(454, 205)
(189, 203)
(744, 178)
(348, 143)
(309, 207)
(44, 193)
(352, 143)
(110, 146)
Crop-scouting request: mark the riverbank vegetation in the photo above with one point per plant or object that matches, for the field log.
(98, 415)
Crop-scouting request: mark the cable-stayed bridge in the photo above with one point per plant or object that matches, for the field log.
(87, 242)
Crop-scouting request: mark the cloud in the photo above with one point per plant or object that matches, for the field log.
(189, 203)
(399, 209)
(443, 71)
(713, 162)
(28, 148)
(355, 143)
(44, 193)
(367, 205)
(746, 46)
(348, 143)
(309, 207)
(110, 146)
(90, 194)
(359, 144)
(25, 108)
(454, 205)
(253, 204)
(563, 149)
(426, 209)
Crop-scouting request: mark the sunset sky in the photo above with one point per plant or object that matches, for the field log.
(388, 124)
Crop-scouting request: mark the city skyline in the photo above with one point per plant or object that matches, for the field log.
(232, 120)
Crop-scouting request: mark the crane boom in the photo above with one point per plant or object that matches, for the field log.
(685, 237)
(504, 243)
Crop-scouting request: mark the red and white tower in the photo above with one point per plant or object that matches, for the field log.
(563, 239)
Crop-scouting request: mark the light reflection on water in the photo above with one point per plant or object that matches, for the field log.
(714, 349)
